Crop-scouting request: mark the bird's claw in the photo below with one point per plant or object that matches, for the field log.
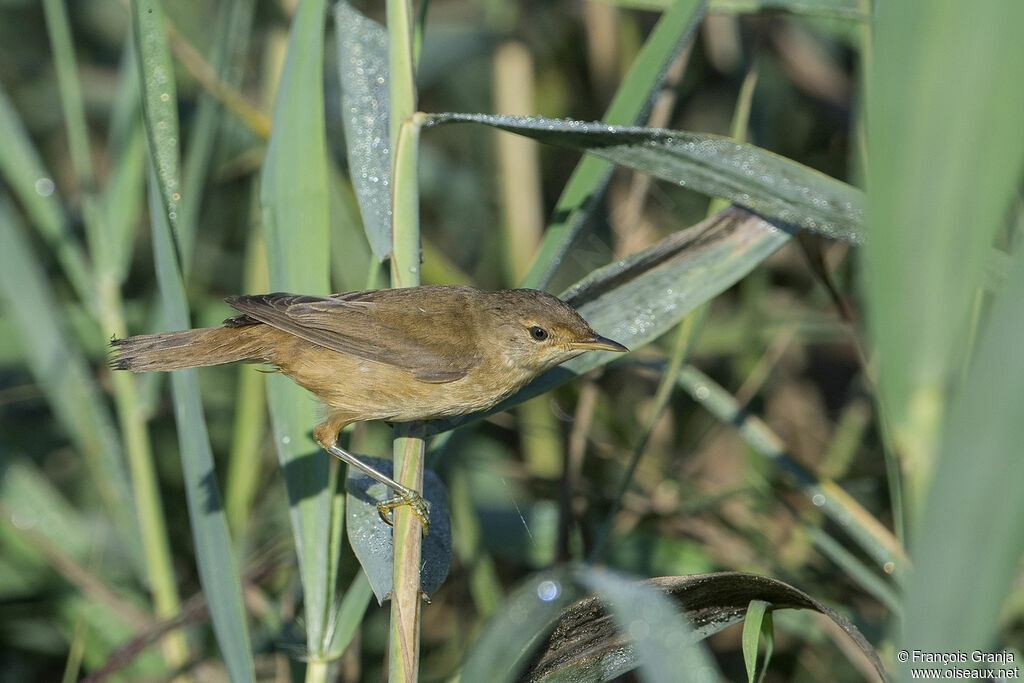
(414, 500)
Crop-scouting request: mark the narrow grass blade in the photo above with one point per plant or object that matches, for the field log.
(160, 106)
(125, 188)
(962, 577)
(630, 106)
(293, 201)
(64, 374)
(34, 505)
(756, 623)
(856, 569)
(218, 568)
(363, 67)
(23, 170)
(103, 246)
(350, 252)
(350, 614)
(945, 161)
(233, 24)
(766, 183)
(215, 556)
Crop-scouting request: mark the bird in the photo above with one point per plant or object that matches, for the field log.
(399, 355)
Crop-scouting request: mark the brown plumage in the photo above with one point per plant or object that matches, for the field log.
(390, 354)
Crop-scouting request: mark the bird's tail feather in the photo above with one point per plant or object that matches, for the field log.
(185, 349)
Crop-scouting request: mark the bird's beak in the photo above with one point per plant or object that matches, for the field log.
(598, 343)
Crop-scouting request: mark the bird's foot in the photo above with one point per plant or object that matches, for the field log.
(385, 508)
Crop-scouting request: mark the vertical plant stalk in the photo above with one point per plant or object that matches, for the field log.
(409, 445)
(403, 648)
(109, 311)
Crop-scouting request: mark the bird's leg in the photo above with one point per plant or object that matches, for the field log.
(327, 439)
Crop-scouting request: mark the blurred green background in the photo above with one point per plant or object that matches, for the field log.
(701, 500)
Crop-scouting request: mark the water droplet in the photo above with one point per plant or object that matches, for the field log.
(548, 590)
(818, 499)
(286, 439)
(21, 520)
(44, 187)
(164, 97)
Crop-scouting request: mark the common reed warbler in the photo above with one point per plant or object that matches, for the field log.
(387, 354)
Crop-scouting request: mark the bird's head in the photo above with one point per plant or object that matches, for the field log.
(537, 331)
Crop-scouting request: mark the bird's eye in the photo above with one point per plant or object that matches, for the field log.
(538, 333)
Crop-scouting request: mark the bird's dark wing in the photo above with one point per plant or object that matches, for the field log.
(381, 327)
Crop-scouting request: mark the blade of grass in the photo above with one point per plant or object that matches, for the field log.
(215, 556)
(931, 216)
(218, 568)
(103, 246)
(125, 190)
(23, 170)
(293, 200)
(748, 176)
(953, 600)
(586, 645)
(856, 569)
(757, 624)
(233, 23)
(630, 106)
(350, 614)
(74, 120)
(64, 375)
(160, 106)
(230, 98)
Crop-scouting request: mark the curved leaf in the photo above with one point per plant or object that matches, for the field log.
(749, 176)
(586, 645)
